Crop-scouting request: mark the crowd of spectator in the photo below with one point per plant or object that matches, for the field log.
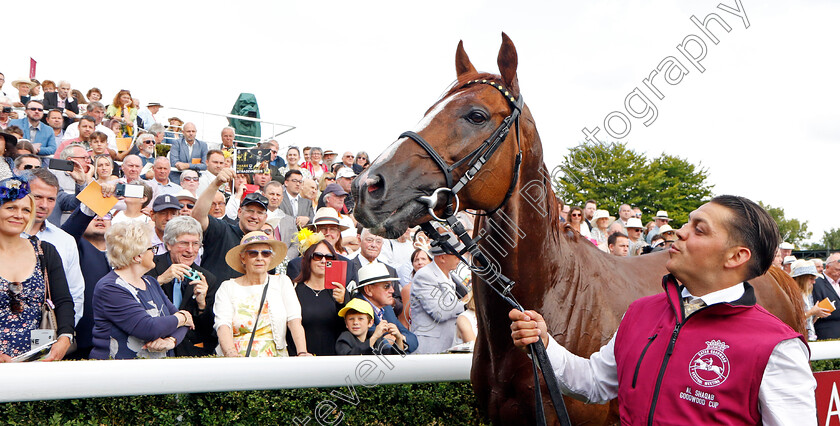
(817, 280)
(199, 260)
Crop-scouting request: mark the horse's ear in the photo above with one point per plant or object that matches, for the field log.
(462, 61)
(507, 62)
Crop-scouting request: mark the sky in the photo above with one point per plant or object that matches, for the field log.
(760, 117)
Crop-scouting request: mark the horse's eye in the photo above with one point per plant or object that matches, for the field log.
(476, 117)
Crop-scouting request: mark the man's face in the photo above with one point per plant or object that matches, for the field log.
(185, 249)
(188, 206)
(81, 157)
(98, 114)
(260, 179)
(634, 233)
(292, 157)
(660, 222)
(274, 193)
(131, 168)
(64, 90)
(97, 227)
(293, 184)
(335, 201)
(32, 162)
(55, 120)
(309, 188)
(371, 246)
(163, 217)
(98, 146)
(215, 163)
(819, 265)
(217, 209)
(35, 111)
(86, 128)
(331, 233)
(832, 267)
(162, 170)
(275, 148)
(380, 294)
(189, 132)
(786, 252)
(45, 197)
(621, 247)
(702, 244)
(625, 212)
(306, 154)
(227, 138)
(345, 183)
(589, 210)
(147, 145)
(4, 116)
(347, 159)
(251, 217)
(637, 212)
(154, 109)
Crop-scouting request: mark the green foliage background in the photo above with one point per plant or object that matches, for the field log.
(791, 230)
(414, 404)
(613, 174)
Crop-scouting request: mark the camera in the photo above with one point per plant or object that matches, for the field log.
(7, 110)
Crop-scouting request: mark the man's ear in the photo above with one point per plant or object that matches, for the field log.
(736, 257)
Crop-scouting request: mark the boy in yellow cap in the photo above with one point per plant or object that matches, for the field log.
(358, 339)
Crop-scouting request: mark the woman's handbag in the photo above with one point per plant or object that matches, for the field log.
(48, 318)
(256, 321)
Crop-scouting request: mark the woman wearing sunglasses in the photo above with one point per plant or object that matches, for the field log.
(132, 316)
(254, 311)
(23, 284)
(320, 304)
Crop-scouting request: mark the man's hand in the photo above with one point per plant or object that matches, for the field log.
(176, 270)
(37, 147)
(58, 349)
(200, 291)
(182, 166)
(5, 358)
(188, 319)
(527, 327)
(69, 113)
(224, 176)
(301, 221)
(378, 332)
(108, 189)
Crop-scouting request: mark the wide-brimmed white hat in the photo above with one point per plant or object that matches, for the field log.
(634, 222)
(786, 246)
(372, 273)
(602, 214)
(789, 259)
(663, 215)
(251, 238)
(326, 216)
(185, 194)
(666, 228)
(17, 83)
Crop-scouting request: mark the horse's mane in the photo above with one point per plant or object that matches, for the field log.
(460, 84)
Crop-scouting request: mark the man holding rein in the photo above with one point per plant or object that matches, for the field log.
(702, 351)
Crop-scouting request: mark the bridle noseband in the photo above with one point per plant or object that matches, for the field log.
(480, 264)
(476, 159)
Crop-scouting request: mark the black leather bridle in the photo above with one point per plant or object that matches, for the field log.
(501, 284)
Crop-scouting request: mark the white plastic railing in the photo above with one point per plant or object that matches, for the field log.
(211, 132)
(87, 379)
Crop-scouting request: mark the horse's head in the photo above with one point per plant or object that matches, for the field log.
(387, 193)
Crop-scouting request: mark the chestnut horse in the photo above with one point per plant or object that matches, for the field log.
(581, 291)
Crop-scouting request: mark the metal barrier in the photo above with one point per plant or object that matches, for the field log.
(88, 379)
(216, 122)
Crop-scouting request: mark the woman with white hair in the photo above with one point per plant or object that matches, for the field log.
(133, 318)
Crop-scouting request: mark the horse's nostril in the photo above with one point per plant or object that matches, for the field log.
(375, 186)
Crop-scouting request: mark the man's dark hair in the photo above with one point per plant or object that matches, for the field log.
(265, 145)
(35, 101)
(293, 148)
(88, 118)
(215, 151)
(45, 175)
(590, 201)
(753, 227)
(19, 159)
(615, 236)
(56, 110)
(290, 173)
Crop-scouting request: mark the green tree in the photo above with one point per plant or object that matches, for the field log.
(831, 239)
(791, 230)
(613, 174)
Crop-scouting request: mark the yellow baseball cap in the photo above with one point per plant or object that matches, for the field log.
(358, 305)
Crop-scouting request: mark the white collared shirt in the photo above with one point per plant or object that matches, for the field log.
(786, 393)
(69, 252)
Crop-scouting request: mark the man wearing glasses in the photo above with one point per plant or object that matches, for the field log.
(380, 294)
(369, 249)
(827, 285)
(347, 160)
(41, 135)
(251, 217)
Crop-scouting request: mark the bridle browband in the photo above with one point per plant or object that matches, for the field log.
(480, 264)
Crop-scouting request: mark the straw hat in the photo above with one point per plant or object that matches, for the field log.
(358, 305)
(17, 83)
(185, 195)
(251, 238)
(634, 222)
(666, 228)
(326, 216)
(663, 215)
(372, 273)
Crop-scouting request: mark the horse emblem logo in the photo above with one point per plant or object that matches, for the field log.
(710, 367)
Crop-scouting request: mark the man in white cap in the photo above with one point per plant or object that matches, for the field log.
(786, 248)
(827, 286)
(634, 232)
(149, 114)
(344, 178)
(659, 220)
(435, 304)
(376, 286)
